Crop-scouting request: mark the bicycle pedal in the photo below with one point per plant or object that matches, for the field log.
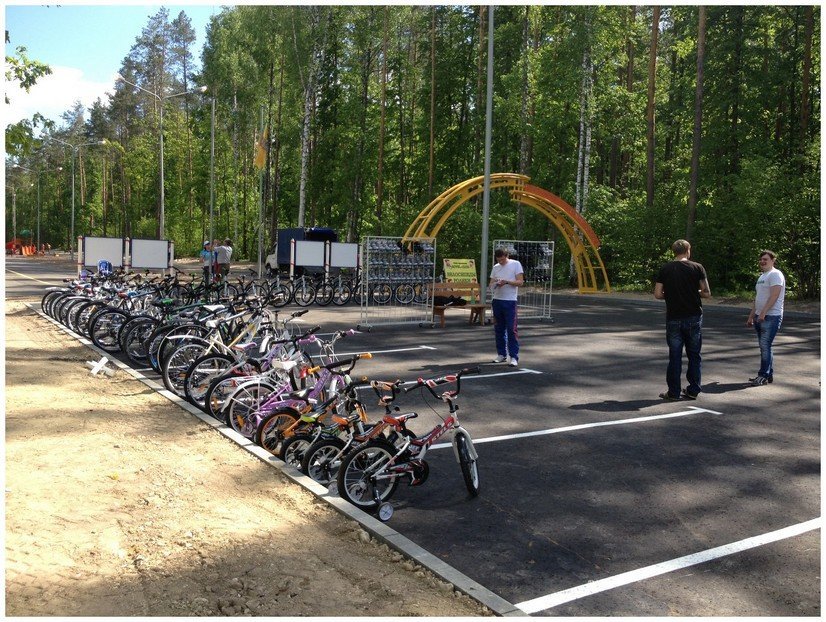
(421, 470)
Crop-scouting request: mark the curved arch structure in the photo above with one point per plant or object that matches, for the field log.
(581, 239)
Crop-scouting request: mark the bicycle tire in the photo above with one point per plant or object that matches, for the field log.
(177, 337)
(470, 470)
(176, 366)
(304, 295)
(47, 299)
(381, 294)
(133, 339)
(322, 459)
(405, 294)
(104, 329)
(270, 432)
(342, 294)
(67, 307)
(279, 296)
(201, 374)
(324, 295)
(85, 316)
(356, 487)
(243, 403)
(293, 448)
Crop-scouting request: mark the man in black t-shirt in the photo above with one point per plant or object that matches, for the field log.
(682, 283)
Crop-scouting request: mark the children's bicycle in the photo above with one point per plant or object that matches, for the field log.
(369, 474)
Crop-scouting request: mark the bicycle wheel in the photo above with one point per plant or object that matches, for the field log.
(304, 295)
(293, 448)
(176, 338)
(104, 329)
(279, 295)
(201, 373)
(244, 402)
(322, 459)
(68, 307)
(470, 471)
(270, 431)
(48, 298)
(381, 294)
(342, 294)
(176, 366)
(405, 294)
(133, 338)
(355, 476)
(324, 294)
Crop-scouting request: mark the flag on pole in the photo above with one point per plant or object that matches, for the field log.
(261, 150)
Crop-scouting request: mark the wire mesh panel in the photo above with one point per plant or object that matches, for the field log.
(395, 278)
(537, 259)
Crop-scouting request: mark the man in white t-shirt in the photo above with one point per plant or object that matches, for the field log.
(505, 278)
(767, 314)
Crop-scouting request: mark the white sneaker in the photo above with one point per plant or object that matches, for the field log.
(500, 359)
(514, 363)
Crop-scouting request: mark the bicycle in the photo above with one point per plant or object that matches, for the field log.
(368, 476)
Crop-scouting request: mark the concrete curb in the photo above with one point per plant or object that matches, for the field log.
(373, 526)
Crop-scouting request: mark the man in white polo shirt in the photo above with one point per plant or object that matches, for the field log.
(767, 314)
(505, 278)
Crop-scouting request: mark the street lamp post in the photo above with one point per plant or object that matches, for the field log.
(160, 98)
(75, 149)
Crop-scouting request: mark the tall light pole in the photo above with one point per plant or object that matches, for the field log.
(75, 149)
(37, 173)
(161, 98)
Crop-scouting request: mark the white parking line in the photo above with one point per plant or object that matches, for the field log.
(552, 600)
(693, 410)
(31, 278)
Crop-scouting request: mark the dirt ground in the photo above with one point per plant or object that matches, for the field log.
(119, 503)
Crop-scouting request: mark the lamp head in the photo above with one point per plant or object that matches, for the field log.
(203, 89)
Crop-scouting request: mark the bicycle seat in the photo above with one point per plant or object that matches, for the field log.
(398, 419)
(284, 365)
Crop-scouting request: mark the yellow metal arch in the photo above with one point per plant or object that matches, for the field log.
(581, 239)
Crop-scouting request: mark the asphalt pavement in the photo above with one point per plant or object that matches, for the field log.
(598, 498)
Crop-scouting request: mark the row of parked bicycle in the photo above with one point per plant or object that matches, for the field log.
(282, 387)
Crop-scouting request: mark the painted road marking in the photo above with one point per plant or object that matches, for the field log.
(25, 276)
(552, 600)
(693, 410)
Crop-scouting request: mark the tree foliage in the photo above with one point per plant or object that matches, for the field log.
(333, 81)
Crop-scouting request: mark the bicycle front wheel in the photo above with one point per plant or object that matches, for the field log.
(356, 480)
(322, 459)
(470, 471)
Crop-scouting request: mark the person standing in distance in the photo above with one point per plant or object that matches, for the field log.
(682, 283)
(208, 259)
(505, 278)
(767, 314)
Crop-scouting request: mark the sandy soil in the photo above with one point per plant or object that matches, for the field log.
(118, 503)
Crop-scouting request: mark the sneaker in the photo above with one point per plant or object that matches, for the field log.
(514, 363)
(759, 381)
(500, 359)
(688, 395)
(668, 397)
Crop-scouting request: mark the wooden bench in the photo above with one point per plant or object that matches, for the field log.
(471, 292)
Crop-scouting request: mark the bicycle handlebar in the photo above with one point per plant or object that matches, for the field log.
(430, 383)
(348, 361)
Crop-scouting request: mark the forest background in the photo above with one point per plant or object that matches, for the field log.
(656, 123)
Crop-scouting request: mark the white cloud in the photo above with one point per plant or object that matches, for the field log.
(53, 95)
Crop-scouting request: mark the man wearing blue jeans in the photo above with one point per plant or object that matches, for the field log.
(767, 314)
(682, 283)
(505, 278)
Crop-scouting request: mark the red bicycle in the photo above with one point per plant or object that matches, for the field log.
(369, 474)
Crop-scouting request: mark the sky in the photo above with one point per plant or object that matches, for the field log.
(84, 45)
